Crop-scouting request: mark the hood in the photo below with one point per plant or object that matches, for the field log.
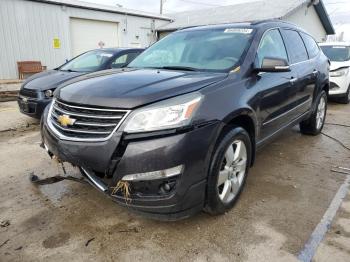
(130, 88)
(337, 65)
(49, 79)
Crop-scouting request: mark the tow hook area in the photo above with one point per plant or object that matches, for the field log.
(54, 179)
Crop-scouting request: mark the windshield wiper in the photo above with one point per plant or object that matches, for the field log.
(185, 68)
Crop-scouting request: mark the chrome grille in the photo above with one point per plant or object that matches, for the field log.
(88, 123)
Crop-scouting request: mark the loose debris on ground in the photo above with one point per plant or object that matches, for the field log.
(5, 223)
(88, 242)
(54, 179)
(341, 170)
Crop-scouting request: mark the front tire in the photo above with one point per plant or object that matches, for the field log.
(314, 125)
(228, 170)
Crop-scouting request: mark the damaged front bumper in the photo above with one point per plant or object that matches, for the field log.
(176, 166)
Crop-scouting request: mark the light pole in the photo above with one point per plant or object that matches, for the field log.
(161, 6)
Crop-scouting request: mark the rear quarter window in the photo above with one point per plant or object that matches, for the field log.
(295, 46)
(311, 45)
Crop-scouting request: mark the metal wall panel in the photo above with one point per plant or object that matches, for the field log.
(308, 19)
(27, 31)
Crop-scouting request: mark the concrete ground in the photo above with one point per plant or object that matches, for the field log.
(288, 192)
(12, 119)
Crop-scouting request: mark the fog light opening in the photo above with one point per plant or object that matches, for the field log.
(167, 187)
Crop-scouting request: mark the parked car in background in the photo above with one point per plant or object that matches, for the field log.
(181, 130)
(339, 55)
(37, 91)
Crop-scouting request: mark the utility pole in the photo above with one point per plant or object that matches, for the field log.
(161, 6)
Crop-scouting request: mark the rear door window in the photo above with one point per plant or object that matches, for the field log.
(272, 46)
(311, 46)
(295, 46)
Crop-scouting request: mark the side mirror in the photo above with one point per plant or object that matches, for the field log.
(272, 64)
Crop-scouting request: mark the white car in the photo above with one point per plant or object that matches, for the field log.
(339, 55)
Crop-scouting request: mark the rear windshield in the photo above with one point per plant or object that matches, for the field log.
(88, 62)
(337, 53)
(207, 50)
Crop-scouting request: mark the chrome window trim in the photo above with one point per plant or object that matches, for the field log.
(279, 29)
(77, 139)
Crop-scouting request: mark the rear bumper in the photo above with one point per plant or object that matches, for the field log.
(104, 164)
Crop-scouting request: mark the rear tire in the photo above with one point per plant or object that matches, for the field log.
(313, 125)
(346, 98)
(228, 170)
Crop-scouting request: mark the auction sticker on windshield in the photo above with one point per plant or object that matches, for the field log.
(239, 30)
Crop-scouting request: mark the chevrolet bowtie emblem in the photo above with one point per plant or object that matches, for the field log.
(65, 120)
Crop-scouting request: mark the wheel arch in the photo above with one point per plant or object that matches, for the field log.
(246, 119)
(325, 87)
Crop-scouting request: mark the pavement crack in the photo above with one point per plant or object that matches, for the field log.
(336, 140)
(4, 243)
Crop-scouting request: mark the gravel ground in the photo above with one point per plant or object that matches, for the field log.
(287, 193)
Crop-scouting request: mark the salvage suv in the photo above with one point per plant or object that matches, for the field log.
(178, 129)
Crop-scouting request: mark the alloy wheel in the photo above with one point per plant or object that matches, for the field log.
(232, 171)
(321, 112)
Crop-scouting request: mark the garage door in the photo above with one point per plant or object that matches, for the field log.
(91, 34)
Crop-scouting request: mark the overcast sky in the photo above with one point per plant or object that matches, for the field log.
(171, 6)
(339, 10)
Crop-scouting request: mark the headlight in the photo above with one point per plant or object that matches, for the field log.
(171, 113)
(48, 93)
(339, 73)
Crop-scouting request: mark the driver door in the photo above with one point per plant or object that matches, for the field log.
(275, 88)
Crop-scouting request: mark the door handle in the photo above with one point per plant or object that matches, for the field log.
(293, 80)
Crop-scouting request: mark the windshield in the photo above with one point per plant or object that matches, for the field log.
(207, 50)
(337, 53)
(88, 62)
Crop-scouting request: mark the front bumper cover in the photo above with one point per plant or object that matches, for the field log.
(33, 107)
(119, 157)
(339, 86)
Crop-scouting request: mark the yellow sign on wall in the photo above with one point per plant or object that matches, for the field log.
(56, 43)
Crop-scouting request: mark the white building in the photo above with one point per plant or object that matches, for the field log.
(53, 31)
(308, 14)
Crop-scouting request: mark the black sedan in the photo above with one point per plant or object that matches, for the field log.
(36, 92)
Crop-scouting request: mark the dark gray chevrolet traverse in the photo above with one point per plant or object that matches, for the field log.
(177, 130)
